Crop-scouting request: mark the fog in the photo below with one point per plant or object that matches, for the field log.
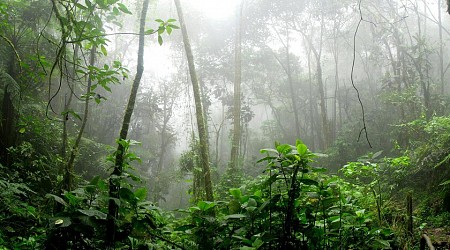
(287, 48)
(342, 76)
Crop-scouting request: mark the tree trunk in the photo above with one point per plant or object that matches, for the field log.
(441, 49)
(291, 88)
(7, 126)
(234, 163)
(114, 183)
(311, 105)
(323, 107)
(201, 125)
(67, 103)
(68, 173)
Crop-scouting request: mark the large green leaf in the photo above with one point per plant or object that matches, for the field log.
(284, 148)
(57, 199)
(93, 213)
(205, 205)
(236, 192)
(141, 193)
(267, 150)
(302, 149)
(127, 195)
(234, 216)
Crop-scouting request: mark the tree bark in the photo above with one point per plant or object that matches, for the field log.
(441, 50)
(114, 184)
(234, 163)
(201, 125)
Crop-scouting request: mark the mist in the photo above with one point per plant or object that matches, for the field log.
(332, 95)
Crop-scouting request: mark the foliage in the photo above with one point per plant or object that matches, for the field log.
(294, 206)
(84, 215)
(18, 216)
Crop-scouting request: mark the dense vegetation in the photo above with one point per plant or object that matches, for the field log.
(286, 125)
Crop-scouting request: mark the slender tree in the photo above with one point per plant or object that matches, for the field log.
(201, 125)
(234, 164)
(114, 185)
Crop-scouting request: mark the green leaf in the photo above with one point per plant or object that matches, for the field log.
(104, 51)
(235, 216)
(205, 205)
(159, 20)
(264, 205)
(193, 209)
(236, 192)
(93, 213)
(258, 193)
(127, 195)
(284, 148)
(302, 149)
(141, 193)
(123, 8)
(168, 30)
(160, 40)
(447, 182)
(268, 158)
(149, 32)
(57, 199)
(22, 130)
(171, 20)
(81, 6)
(161, 30)
(267, 150)
(252, 202)
(88, 3)
(173, 26)
(383, 243)
(375, 155)
(74, 114)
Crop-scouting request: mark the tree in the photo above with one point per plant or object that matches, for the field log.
(114, 181)
(234, 163)
(201, 125)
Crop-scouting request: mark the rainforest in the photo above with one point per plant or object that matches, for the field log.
(224, 124)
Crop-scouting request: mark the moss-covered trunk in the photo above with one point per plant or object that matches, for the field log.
(201, 125)
(114, 183)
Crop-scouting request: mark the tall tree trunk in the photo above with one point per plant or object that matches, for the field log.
(335, 52)
(201, 125)
(67, 103)
(323, 107)
(114, 183)
(234, 163)
(288, 70)
(311, 105)
(7, 125)
(291, 87)
(441, 49)
(68, 173)
(165, 141)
